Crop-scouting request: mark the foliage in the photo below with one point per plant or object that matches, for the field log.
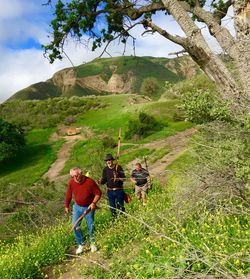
(204, 106)
(222, 170)
(27, 257)
(46, 113)
(11, 140)
(89, 155)
(223, 153)
(30, 164)
(143, 126)
(30, 208)
(149, 86)
(109, 142)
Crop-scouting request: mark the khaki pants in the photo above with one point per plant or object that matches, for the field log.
(141, 192)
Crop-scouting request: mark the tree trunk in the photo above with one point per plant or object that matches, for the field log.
(242, 27)
(197, 47)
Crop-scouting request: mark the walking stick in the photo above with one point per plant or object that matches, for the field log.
(118, 148)
(80, 218)
(146, 165)
(118, 152)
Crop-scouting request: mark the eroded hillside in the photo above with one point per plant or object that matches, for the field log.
(111, 75)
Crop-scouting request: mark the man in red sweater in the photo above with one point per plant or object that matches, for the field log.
(86, 194)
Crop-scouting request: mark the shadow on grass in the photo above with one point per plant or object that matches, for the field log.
(31, 155)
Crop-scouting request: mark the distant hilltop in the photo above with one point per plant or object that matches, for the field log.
(124, 74)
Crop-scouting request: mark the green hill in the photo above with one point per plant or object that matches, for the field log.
(119, 75)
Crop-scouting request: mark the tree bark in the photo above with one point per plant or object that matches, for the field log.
(197, 47)
(242, 27)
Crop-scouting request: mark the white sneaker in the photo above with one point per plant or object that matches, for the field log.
(93, 248)
(79, 250)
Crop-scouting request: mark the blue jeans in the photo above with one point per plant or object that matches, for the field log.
(116, 201)
(77, 212)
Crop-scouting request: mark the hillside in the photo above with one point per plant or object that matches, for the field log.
(196, 220)
(120, 75)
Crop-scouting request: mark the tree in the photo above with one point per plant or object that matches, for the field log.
(11, 140)
(149, 86)
(143, 126)
(78, 17)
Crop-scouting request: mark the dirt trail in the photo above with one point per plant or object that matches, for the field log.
(63, 155)
(177, 143)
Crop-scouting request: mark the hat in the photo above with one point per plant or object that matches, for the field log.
(109, 157)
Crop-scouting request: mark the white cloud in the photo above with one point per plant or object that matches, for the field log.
(21, 68)
(10, 9)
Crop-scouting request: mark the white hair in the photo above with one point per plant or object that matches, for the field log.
(75, 169)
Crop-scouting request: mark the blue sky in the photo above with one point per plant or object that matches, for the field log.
(24, 26)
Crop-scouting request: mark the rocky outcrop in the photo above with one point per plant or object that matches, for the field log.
(64, 79)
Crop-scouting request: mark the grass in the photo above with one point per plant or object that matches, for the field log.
(159, 154)
(33, 162)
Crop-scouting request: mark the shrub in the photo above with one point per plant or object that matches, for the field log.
(204, 106)
(150, 86)
(11, 139)
(142, 127)
(108, 142)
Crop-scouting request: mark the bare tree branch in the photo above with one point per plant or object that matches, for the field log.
(176, 39)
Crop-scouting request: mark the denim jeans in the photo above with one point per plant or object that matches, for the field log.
(116, 201)
(77, 212)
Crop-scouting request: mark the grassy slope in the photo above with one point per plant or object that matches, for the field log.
(28, 167)
(115, 115)
(38, 91)
(141, 67)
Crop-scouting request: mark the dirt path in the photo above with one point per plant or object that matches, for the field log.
(177, 143)
(63, 155)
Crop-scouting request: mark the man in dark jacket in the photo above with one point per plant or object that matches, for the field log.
(113, 176)
(86, 194)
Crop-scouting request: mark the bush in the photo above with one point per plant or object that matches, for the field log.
(150, 86)
(142, 127)
(11, 139)
(204, 106)
(108, 142)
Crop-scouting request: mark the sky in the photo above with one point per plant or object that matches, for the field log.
(25, 26)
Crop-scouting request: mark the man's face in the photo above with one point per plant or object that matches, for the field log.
(138, 167)
(76, 175)
(110, 163)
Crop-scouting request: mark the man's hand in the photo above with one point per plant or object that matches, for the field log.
(92, 206)
(98, 181)
(67, 210)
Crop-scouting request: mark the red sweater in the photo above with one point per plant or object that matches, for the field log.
(83, 193)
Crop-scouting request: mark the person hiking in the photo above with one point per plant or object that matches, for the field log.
(113, 176)
(140, 177)
(86, 194)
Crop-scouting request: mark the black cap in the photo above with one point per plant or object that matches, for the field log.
(109, 157)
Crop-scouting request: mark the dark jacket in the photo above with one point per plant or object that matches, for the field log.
(111, 177)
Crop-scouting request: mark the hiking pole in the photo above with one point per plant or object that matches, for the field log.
(80, 218)
(118, 151)
(150, 180)
(146, 164)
